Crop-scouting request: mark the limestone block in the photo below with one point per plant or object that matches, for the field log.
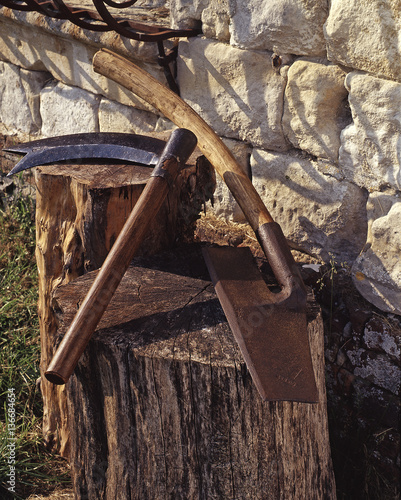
(282, 26)
(314, 108)
(68, 110)
(150, 4)
(318, 214)
(364, 34)
(377, 271)
(224, 204)
(116, 117)
(370, 152)
(237, 92)
(66, 59)
(15, 22)
(19, 99)
(33, 83)
(216, 20)
(186, 14)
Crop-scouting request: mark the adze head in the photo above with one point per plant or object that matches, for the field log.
(117, 146)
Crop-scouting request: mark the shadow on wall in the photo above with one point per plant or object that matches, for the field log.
(67, 60)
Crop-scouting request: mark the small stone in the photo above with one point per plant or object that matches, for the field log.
(341, 357)
(379, 335)
(216, 20)
(19, 99)
(186, 14)
(377, 368)
(6, 185)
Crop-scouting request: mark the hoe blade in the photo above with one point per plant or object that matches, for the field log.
(270, 330)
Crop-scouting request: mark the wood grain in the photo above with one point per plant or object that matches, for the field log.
(80, 210)
(172, 411)
(176, 152)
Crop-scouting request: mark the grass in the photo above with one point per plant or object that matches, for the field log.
(36, 470)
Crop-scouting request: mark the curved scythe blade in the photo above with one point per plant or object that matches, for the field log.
(128, 147)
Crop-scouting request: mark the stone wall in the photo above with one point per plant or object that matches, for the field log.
(307, 94)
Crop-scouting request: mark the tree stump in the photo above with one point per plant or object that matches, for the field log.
(161, 404)
(80, 210)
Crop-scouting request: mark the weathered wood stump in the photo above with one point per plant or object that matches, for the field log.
(80, 210)
(162, 405)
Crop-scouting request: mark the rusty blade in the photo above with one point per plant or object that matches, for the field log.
(270, 329)
(102, 145)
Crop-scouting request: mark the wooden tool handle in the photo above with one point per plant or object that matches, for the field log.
(177, 150)
(142, 84)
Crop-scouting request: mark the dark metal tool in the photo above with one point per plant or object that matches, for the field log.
(270, 328)
(128, 147)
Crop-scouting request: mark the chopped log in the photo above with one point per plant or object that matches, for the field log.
(162, 405)
(80, 210)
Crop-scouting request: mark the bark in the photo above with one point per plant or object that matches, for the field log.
(162, 405)
(80, 212)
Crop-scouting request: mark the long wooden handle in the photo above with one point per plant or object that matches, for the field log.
(178, 149)
(142, 84)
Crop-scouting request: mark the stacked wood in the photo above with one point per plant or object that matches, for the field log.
(80, 210)
(162, 405)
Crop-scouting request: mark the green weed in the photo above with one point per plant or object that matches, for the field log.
(19, 359)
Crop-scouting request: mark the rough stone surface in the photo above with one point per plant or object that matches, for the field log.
(364, 34)
(379, 336)
(19, 99)
(163, 124)
(224, 204)
(183, 419)
(216, 20)
(314, 108)
(67, 60)
(377, 368)
(186, 13)
(65, 30)
(116, 117)
(377, 270)
(68, 110)
(283, 26)
(237, 92)
(318, 214)
(370, 153)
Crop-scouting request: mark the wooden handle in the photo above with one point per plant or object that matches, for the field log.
(142, 84)
(178, 149)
